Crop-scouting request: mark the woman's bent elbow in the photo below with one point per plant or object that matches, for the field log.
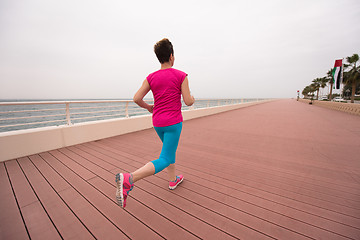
(136, 99)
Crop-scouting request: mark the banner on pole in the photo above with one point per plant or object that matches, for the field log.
(337, 76)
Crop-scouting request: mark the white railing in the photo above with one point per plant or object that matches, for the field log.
(24, 115)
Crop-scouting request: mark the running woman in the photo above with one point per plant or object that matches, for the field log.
(167, 86)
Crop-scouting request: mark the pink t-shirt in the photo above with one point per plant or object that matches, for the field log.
(165, 85)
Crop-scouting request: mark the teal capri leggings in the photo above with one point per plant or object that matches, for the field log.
(169, 136)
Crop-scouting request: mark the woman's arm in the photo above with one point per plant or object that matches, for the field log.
(185, 91)
(140, 94)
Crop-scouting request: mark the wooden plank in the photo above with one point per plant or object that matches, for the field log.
(269, 176)
(259, 164)
(289, 203)
(336, 205)
(275, 165)
(94, 221)
(76, 167)
(213, 152)
(199, 201)
(93, 159)
(269, 169)
(307, 225)
(327, 228)
(249, 220)
(11, 222)
(64, 219)
(211, 216)
(167, 227)
(264, 199)
(206, 215)
(302, 226)
(274, 178)
(189, 222)
(37, 221)
(107, 207)
(265, 188)
(105, 180)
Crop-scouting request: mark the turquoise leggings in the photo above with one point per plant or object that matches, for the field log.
(169, 136)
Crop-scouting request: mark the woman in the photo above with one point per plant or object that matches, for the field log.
(167, 86)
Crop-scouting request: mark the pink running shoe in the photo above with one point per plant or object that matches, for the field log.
(173, 185)
(124, 185)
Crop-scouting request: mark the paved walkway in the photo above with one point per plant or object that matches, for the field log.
(278, 170)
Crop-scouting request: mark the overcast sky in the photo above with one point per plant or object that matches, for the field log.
(229, 49)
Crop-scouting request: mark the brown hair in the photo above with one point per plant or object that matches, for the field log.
(163, 49)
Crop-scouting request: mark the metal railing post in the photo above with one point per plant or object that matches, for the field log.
(127, 110)
(68, 120)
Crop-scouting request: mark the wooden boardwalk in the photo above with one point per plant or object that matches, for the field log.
(278, 170)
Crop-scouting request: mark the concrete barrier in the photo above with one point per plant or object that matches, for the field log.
(351, 108)
(22, 143)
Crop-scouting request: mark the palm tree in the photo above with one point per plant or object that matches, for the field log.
(307, 91)
(329, 79)
(352, 77)
(316, 86)
(323, 81)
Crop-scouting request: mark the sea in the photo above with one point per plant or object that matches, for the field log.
(21, 115)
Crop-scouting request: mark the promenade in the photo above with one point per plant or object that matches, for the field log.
(278, 170)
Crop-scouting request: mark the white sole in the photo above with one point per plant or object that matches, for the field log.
(119, 190)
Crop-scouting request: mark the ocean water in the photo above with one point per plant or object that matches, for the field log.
(23, 116)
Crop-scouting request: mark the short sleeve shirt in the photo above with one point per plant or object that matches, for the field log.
(165, 85)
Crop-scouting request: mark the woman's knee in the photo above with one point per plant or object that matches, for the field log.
(161, 163)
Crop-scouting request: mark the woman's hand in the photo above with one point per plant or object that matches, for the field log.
(185, 91)
(140, 94)
(150, 108)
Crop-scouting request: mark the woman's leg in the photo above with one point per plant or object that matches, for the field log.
(125, 181)
(170, 143)
(149, 168)
(170, 137)
(171, 169)
(143, 172)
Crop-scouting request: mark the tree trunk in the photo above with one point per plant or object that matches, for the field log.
(331, 86)
(317, 95)
(353, 91)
